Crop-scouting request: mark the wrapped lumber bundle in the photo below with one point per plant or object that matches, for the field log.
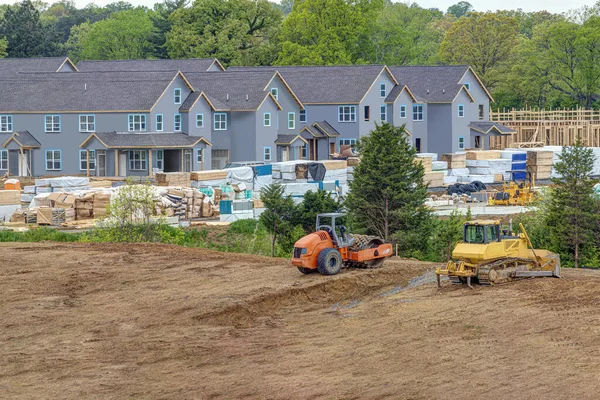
(10, 197)
(84, 207)
(454, 160)
(540, 163)
(434, 179)
(18, 217)
(483, 154)
(173, 178)
(353, 161)
(101, 203)
(426, 162)
(208, 178)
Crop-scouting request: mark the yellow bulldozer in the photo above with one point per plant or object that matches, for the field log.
(491, 255)
(515, 193)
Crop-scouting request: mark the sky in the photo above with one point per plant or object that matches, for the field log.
(554, 6)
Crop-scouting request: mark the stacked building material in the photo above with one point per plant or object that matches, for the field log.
(426, 162)
(10, 197)
(540, 163)
(483, 154)
(455, 160)
(518, 163)
(84, 207)
(101, 203)
(173, 178)
(434, 179)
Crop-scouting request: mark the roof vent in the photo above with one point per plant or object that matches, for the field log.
(246, 97)
(427, 91)
(443, 90)
(84, 87)
(227, 96)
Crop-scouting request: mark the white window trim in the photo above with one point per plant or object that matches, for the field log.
(53, 159)
(201, 115)
(8, 123)
(304, 151)
(467, 85)
(199, 156)
(403, 110)
(132, 123)
(175, 95)
(351, 114)
(382, 89)
(267, 121)
(220, 114)
(302, 114)
(292, 120)
(383, 113)
(461, 109)
(459, 143)
(4, 159)
(267, 155)
(160, 159)
(275, 93)
(52, 123)
(87, 122)
(416, 112)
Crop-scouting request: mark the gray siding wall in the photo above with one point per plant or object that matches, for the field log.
(374, 100)
(478, 93)
(221, 139)
(214, 68)
(329, 113)
(265, 136)
(394, 111)
(242, 130)
(201, 107)
(420, 128)
(439, 126)
(460, 124)
(167, 107)
(288, 104)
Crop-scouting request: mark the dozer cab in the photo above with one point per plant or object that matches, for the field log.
(515, 193)
(489, 255)
(332, 247)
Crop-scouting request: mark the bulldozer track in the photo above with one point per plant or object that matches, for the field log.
(483, 274)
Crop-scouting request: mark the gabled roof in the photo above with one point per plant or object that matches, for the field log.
(115, 140)
(183, 65)
(233, 90)
(431, 84)
(397, 91)
(12, 66)
(340, 84)
(83, 91)
(326, 128)
(486, 127)
(312, 131)
(288, 139)
(23, 139)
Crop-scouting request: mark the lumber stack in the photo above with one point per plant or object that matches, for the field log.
(10, 197)
(434, 179)
(455, 161)
(173, 178)
(483, 155)
(84, 207)
(100, 205)
(540, 163)
(426, 162)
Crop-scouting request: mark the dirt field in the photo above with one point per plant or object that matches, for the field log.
(163, 322)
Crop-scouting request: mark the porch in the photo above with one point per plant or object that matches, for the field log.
(321, 140)
(16, 156)
(126, 154)
(489, 135)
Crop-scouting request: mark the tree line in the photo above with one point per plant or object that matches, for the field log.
(527, 59)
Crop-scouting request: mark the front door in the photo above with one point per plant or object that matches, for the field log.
(101, 160)
(187, 160)
(122, 164)
(418, 145)
(23, 166)
(477, 142)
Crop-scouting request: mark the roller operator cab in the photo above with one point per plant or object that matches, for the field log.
(490, 255)
(332, 247)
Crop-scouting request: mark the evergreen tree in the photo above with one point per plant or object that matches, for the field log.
(314, 203)
(278, 213)
(23, 30)
(572, 211)
(388, 194)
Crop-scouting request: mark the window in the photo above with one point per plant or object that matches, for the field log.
(418, 145)
(52, 123)
(177, 122)
(474, 234)
(481, 111)
(137, 160)
(382, 112)
(346, 113)
(418, 112)
(83, 160)
(220, 123)
(467, 85)
(137, 122)
(305, 151)
(291, 120)
(477, 142)
(3, 159)
(87, 123)
(461, 110)
(275, 93)
(267, 119)
(199, 156)
(6, 123)
(302, 115)
(159, 122)
(350, 142)
(267, 154)
(53, 160)
(367, 113)
(382, 89)
(177, 96)
(199, 120)
(403, 111)
(461, 142)
(160, 159)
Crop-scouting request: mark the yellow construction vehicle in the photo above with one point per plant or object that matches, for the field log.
(490, 256)
(515, 194)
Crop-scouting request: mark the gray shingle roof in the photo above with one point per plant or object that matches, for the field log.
(486, 127)
(287, 139)
(326, 84)
(232, 90)
(146, 140)
(436, 84)
(326, 128)
(183, 65)
(11, 66)
(314, 132)
(24, 138)
(191, 100)
(82, 91)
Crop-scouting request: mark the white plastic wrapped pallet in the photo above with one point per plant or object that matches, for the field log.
(434, 156)
(450, 180)
(439, 165)
(68, 181)
(473, 178)
(458, 172)
(299, 189)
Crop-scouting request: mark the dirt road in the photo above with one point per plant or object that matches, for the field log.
(164, 322)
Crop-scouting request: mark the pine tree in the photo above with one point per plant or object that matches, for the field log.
(572, 218)
(278, 213)
(23, 30)
(387, 195)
